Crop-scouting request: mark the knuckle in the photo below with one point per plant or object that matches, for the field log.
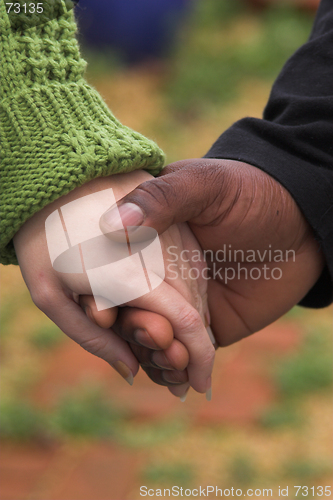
(95, 346)
(169, 169)
(160, 192)
(204, 358)
(43, 297)
(209, 356)
(190, 320)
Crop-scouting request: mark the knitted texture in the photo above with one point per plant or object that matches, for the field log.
(56, 131)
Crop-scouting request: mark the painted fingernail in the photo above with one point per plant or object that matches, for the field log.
(183, 398)
(142, 337)
(130, 215)
(209, 389)
(160, 360)
(124, 371)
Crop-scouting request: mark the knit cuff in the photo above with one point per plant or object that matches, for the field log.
(56, 138)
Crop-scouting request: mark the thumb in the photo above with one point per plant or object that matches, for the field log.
(181, 193)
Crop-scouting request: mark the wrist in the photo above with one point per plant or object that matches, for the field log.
(34, 228)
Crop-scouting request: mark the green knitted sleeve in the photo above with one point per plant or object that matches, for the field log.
(56, 131)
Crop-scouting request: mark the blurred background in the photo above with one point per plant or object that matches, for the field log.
(180, 72)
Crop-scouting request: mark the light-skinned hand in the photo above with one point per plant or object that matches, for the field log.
(177, 308)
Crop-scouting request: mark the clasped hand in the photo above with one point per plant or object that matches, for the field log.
(227, 205)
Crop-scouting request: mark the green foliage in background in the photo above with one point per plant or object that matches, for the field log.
(80, 412)
(20, 420)
(305, 372)
(150, 434)
(242, 471)
(85, 411)
(305, 469)
(169, 474)
(210, 63)
(46, 336)
(309, 370)
(281, 415)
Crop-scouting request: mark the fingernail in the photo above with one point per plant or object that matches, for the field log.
(171, 377)
(130, 215)
(124, 371)
(209, 389)
(160, 360)
(183, 398)
(142, 337)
